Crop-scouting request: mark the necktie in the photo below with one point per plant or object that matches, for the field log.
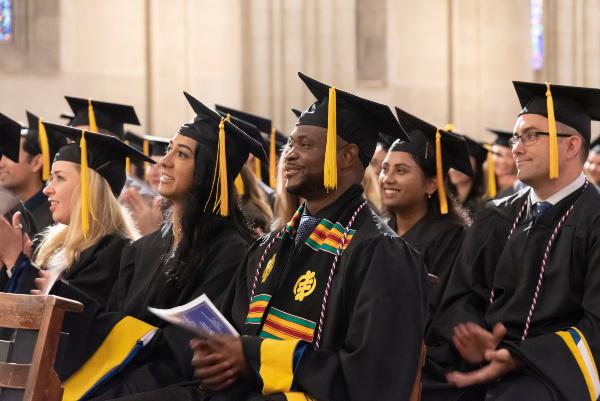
(306, 226)
(541, 207)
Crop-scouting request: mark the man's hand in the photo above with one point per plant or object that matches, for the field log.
(219, 361)
(501, 362)
(472, 341)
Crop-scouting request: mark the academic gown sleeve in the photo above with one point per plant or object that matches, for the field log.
(568, 357)
(379, 356)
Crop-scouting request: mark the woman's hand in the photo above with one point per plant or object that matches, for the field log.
(146, 213)
(13, 241)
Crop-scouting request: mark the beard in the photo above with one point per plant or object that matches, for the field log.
(310, 186)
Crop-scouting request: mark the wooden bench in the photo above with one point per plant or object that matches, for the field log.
(45, 314)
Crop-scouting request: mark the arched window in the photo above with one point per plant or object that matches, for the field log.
(6, 20)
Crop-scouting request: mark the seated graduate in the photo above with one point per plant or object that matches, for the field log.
(592, 164)
(141, 195)
(197, 251)
(505, 169)
(470, 191)
(330, 307)
(26, 177)
(421, 212)
(92, 228)
(253, 201)
(521, 306)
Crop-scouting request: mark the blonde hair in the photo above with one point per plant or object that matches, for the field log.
(108, 217)
(370, 184)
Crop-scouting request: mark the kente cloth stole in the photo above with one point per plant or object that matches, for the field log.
(291, 282)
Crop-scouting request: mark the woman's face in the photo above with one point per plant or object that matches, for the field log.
(152, 173)
(504, 163)
(177, 168)
(60, 190)
(403, 183)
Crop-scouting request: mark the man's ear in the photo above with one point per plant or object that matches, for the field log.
(36, 163)
(574, 146)
(348, 156)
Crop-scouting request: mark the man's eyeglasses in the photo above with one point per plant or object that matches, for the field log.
(531, 138)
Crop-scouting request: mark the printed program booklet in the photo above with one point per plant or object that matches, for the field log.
(200, 316)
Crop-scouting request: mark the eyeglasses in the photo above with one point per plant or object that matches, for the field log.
(531, 138)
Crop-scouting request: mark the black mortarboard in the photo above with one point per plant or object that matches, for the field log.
(105, 153)
(357, 120)
(296, 112)
(436, 149)
(476, 149)
(157, 145)
(230, 144)
(265, 126)
(38, 141)
(502, 137)
(10, 132)
(108, 116)
(135, 140)
(68, 117)
(574, 106)
(595, 145)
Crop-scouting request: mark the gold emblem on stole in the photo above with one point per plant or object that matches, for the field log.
(305, 285)
(268, 269)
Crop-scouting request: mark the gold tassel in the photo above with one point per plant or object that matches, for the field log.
(239, 185)
(330, 166)
(449, 127)
(45, 148)
(222, 158)
(92, 117)
(272, 161)
(85, 190)
(127, 162)
(491, 190)
(553, 137)
(257, 168)
(146, 149)
(440, 173)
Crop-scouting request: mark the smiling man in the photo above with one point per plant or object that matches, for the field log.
(522, 306)
(332, 306)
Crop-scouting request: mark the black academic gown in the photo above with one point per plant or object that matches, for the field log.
(374, 322)
(93, 273)
(142, 282)
(568, 308)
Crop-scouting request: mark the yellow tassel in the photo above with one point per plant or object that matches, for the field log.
(127, 162)
(272, 161)
(146, 149)
(239, 185)
(330, 166)
(257, 168)
(45, 148)
(222, 158)
(449, 127)
(85, 190)
(492, 190)
(92, 117)
(440, 173)
(553, 137)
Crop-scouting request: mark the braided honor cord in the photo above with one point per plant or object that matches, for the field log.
(332, 272)
(543, 266)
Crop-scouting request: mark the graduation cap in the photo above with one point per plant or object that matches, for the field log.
(355, 119)
(231, 146)
(10, 132)
(68, 117)
(570, 105)
(296, 112)
(96, 114)
(47, 144)
(502, 137)
(263, 125)
(104, 154)
(438, 150)
(135, 140)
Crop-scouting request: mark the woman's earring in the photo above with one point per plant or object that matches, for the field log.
(428, 196)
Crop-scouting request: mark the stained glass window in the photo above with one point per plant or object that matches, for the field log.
(6, 20)
(537, 35)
